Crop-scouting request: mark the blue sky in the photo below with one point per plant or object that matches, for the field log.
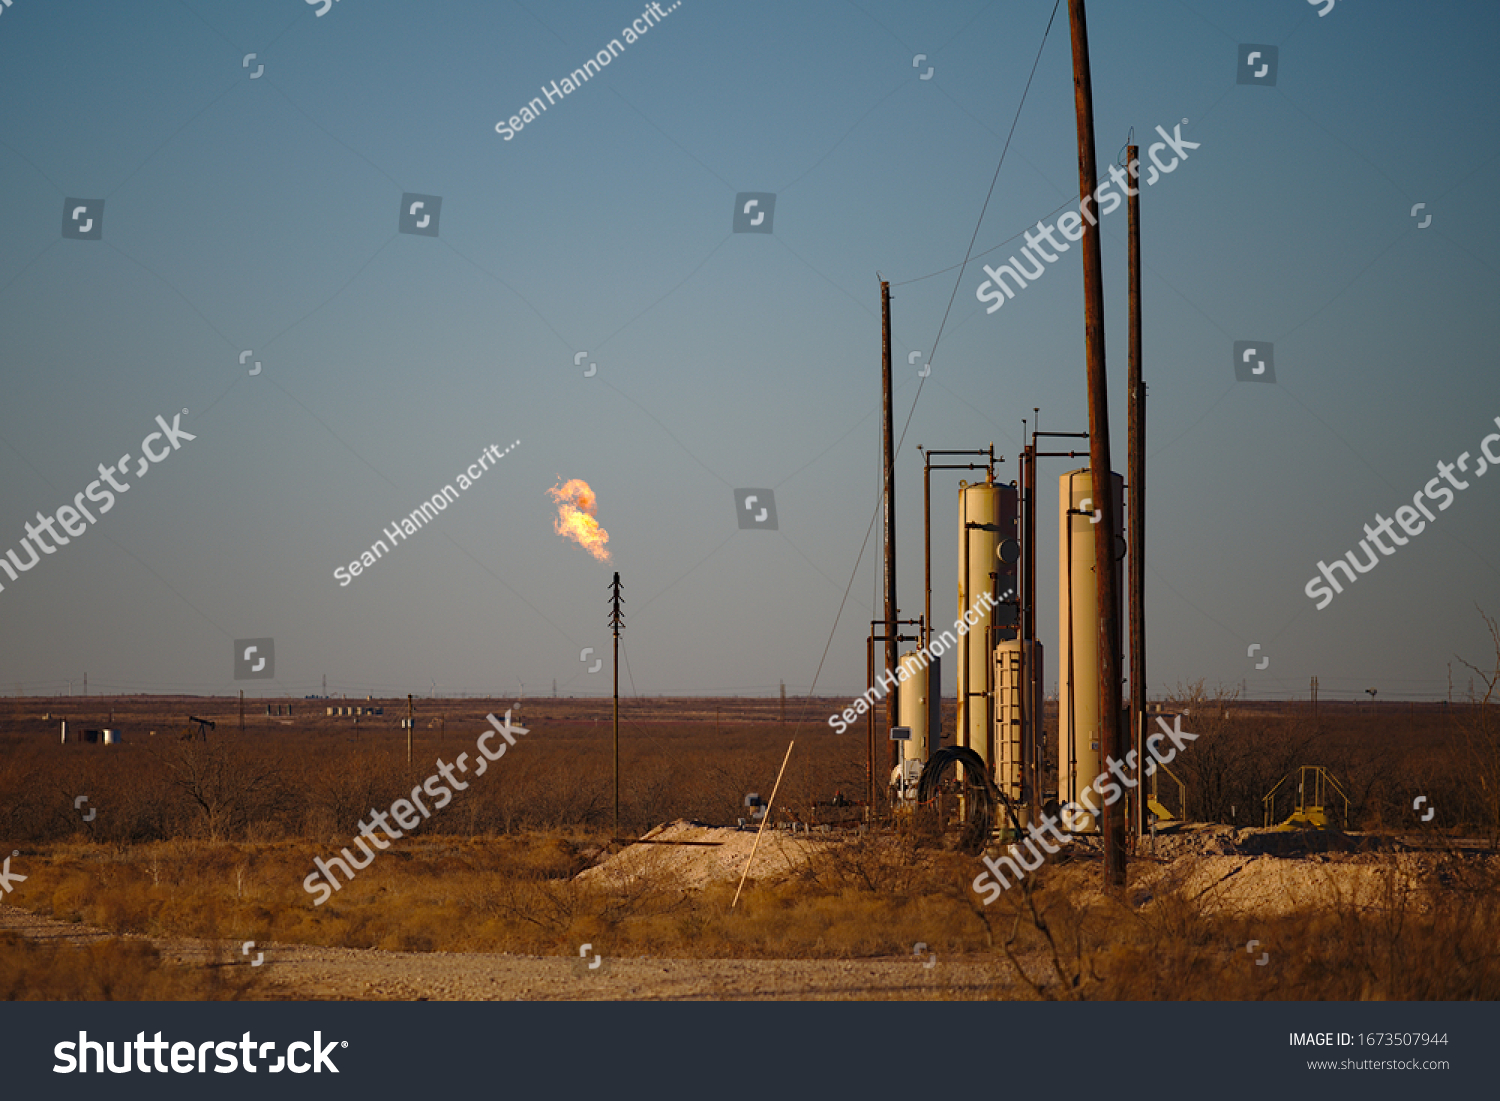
(260, 213)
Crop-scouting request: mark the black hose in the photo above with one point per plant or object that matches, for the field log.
(981, 797)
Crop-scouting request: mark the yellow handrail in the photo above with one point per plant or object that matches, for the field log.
(1181, 788)
(1320, 777)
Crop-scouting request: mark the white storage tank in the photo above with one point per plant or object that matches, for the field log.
(986, 517)
(912, 707)
(1079, 759)
(111, 737)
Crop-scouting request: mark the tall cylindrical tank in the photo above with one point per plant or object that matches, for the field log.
(1079, 759)
(986, 517)
(111, 737)
(65, 732)
(912, 705)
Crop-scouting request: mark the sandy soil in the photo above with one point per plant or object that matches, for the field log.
(1265, 872)
(717, 854)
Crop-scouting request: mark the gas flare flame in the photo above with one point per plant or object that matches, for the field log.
(576, 504)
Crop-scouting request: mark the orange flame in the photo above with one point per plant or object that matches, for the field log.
(575, 517)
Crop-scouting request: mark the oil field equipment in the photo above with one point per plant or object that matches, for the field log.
(204, 726)
(1314, 784)
(1080, 710)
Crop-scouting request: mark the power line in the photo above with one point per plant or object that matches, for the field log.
(918, 395)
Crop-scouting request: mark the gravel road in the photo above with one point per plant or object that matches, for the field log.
(301, 972)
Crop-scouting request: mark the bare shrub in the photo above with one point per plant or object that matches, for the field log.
(227, 784)
(1481, 736)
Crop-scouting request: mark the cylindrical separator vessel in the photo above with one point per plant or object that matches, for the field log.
(1079, 759)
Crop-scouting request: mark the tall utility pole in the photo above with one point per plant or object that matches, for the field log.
(242, 710)
(1137, 507)
(617, 624)
(1099, 459)
(1031, 675)
(891, 714)
(410, 726)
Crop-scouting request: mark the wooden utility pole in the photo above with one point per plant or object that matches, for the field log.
(1137, 509)
(410, 727)
(1031, 678)
(617, 624)
(242, 710)
(1113, 818)
(891, 714)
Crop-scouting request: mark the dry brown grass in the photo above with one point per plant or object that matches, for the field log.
(512, 894)
(315, 778)
(1436, 939)
(213, 840)
(108, 970)
(876, 897)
